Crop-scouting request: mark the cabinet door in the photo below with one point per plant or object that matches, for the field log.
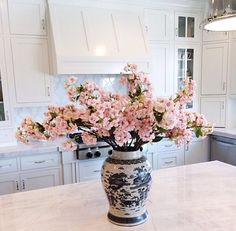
(187, 27)
(214, 68)
(209, 36)
(232, 69)
(197, 151)
(160, 69)
(233, 35)
(40, 179)
(31, 70)
(214, 110)
(4, 97)
(89, 169)
(9, 183)
(157, 23)
(171, 159)
(27, 17)
(187, 65)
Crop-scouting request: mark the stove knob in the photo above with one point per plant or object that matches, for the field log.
(89, 154)
(97, 154)
(109, 152)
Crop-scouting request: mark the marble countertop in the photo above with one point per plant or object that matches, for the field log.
(192, 197)
(36, 147)
(226, 132)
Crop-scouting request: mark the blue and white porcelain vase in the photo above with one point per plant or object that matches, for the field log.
(126, 178)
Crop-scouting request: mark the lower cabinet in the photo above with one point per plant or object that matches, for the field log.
(198, 151)
(29, 172)
(40, 179)
(169, 155)
(163, 154)
(9, 183)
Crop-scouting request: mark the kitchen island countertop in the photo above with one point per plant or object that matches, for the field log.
(192, 197)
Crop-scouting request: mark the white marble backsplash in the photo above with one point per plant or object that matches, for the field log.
(59, 97)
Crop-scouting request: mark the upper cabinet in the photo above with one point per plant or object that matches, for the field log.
(214, 68)
(31, 72)
(232, 69)
(187, 27)
(4, 98)
(187, 66)
(160, 69)
(158, 25)
(27, 17)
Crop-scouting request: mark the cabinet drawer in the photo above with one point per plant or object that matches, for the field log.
(167, 146)
(166, 162)
(39, 161)
(8, 165)
(90, 170)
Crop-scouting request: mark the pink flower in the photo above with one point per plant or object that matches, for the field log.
(123, 121)
(70, 145)
(88, 138)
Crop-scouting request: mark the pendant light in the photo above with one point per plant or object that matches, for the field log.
(221, 16)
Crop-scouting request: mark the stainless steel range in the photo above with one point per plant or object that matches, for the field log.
(90, 158)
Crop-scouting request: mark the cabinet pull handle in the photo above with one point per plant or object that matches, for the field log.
(5, 166)
(48, 91)
(187, 147)
(146, 28)
(223, 106)
(17, 186)
(97, 171)
(169, 162)
(168, 145)
(7, 115)
(40, 162)
(224, 86)
(23, 184)
(43, 24)
(176, 32)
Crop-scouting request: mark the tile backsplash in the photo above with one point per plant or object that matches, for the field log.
(59, 97)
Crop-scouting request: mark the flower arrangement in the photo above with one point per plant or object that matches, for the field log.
(125, 122)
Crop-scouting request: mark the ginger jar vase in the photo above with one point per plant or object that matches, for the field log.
(126, 179)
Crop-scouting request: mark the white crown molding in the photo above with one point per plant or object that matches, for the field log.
(194, 4)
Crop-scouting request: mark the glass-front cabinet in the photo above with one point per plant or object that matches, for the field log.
(187, 66)
(187, 27)
(4, 98)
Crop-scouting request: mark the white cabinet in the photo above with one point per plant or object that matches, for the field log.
(9, 183)
(158, 24)
(89, 169)
(197, 151)
(187, 27)
(213, 36)
(161, 75)
(28, 172)
(31, 70)
(69, 167)
(187, 65)
(214, 68)
(214, 109)
(169, 155)
(232, 69)
(4, 97)
(40, 179)
(150, 151)
(27, 17)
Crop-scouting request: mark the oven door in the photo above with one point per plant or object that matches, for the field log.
(89, 169)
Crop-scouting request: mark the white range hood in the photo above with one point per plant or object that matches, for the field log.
(94, 40)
